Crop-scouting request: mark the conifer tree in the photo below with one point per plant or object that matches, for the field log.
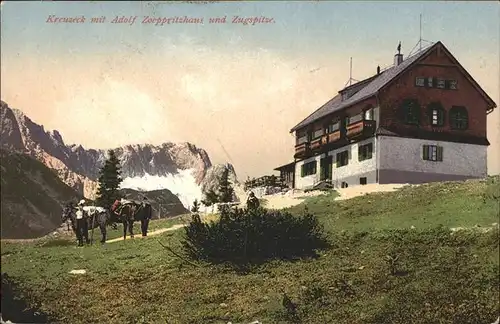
(226, 191)
(196, 206)
(109, 181)
(210, 198)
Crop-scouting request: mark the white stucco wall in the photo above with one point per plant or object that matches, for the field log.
(310, 180)
(406, 154)
(355, 167)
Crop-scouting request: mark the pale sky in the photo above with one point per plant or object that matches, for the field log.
(223, 87)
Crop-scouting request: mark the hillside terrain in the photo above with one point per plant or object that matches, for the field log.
(31, 196)
(391, 261)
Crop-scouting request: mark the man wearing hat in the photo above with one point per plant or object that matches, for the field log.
(146, 216)
(82, 230)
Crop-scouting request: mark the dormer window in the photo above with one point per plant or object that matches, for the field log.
(459, 118)
(436, 114)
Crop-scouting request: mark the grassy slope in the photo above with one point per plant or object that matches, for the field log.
(443, 275)
(451, 204)
(31, 196)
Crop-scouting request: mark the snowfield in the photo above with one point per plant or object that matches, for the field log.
(183, 185)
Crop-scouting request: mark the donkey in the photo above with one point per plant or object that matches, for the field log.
(97, 217)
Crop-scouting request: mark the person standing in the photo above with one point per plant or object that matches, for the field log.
(252, 201)
(82, 231)
(146, 216)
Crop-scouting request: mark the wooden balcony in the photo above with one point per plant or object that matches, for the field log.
(301, 150)
(316, 144)
(333, 137)
(330, 139)
(363, 128)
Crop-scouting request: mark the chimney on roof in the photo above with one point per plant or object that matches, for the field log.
(378, 70)
(398, 58)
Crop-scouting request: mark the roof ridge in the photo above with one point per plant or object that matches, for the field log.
(359, 82)
(371, 88)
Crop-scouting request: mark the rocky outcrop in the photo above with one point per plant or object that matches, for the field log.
(164, 202)
(213, 176)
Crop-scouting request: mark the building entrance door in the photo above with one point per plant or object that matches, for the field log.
(325, 165)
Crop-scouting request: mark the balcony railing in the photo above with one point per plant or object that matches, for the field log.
(301, 150)
(333, 137)
(316, 144)
(363, 128)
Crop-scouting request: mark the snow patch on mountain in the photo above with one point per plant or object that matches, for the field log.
(182, 184)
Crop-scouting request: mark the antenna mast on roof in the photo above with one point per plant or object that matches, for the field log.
(420, 40)
(350, 75)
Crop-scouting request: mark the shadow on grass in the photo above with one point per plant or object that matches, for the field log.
(15, 308)
(56, 243)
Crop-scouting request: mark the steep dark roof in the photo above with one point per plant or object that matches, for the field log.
(371, 88)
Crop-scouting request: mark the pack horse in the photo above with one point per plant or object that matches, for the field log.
(83, 218)
(129, 211)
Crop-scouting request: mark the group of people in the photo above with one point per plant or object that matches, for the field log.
(82, 219)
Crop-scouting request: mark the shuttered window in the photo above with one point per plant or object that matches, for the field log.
(308, 169)
(410, 109)
(365, 152)
(432, 153)
(459, 118)
(342, 158)
(436, 114)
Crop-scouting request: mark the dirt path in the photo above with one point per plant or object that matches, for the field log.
(153, 233)
(295, 197)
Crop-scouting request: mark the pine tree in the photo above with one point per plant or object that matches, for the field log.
(210, 198)
(196, 206)
(226, 191)
(109, 181)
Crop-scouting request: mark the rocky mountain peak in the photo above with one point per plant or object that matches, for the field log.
(79, 167)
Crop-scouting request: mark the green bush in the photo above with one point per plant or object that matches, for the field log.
(253, 236)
